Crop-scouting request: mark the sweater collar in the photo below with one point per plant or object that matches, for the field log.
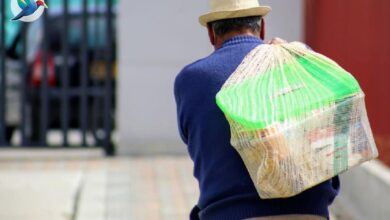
(241, 39)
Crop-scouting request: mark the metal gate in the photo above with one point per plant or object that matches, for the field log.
(57, 76)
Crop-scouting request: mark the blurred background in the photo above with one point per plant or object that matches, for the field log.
(94, 78)
(58, 76)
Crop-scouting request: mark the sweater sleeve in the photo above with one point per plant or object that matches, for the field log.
(180, 111)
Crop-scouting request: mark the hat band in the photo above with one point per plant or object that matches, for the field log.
(234, 6)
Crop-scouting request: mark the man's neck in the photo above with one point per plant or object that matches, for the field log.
(221, 39)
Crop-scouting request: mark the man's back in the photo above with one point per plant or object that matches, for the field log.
(227, 192)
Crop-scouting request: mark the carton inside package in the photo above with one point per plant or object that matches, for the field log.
(287, 158)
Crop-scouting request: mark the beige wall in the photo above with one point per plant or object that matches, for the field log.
(156, 39)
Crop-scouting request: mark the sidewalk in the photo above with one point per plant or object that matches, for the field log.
(95, 187)
(138, 188)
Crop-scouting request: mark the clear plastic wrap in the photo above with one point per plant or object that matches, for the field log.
(296, 117)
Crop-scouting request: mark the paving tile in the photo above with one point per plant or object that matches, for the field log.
(119, 188)
(34, 195)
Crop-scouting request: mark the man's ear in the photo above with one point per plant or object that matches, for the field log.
(211, 34)
(262, 29)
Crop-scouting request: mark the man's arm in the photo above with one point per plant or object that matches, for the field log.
(180, 108)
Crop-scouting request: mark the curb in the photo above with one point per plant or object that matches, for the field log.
(365, 193)
(45, 154)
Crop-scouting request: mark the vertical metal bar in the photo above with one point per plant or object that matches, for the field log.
(65, 77)
(109, 148)
(84, 72)
(2, 72)
(44, 84)
(95, 108)
(23, 89)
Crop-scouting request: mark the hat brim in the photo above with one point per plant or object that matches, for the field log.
(220, 15)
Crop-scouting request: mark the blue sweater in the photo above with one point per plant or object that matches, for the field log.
(226, 190)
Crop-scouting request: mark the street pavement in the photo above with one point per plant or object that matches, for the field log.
(47, 186)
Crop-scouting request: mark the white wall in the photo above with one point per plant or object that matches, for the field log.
(285, 20)
(156, 39)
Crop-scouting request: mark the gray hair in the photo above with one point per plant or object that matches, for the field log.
(222, 27)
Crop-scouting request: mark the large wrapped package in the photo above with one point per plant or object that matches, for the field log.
(296, 118)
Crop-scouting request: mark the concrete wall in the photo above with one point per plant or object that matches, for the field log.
(156, 40)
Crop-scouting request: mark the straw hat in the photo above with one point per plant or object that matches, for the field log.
(224, 9)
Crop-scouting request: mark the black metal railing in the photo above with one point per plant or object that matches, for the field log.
(65, 76)
(2, 71)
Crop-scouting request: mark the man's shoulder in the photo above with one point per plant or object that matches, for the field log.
(200, 65)
(194, 71)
